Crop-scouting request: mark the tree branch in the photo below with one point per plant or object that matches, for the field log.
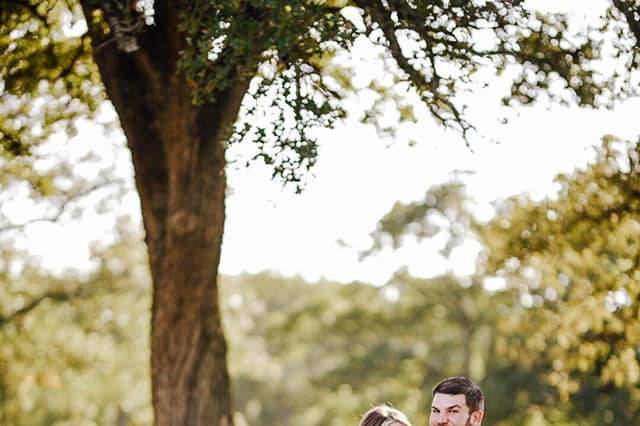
(66, 71)
(632, 15)
(383, 18)
(137, 84)
(59, 296)
(62, 208)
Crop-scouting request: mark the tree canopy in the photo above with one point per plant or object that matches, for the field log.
(284, 49)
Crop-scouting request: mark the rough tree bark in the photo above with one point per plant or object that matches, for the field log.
(178, 154)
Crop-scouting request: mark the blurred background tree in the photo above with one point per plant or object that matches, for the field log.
(575, 261)
(74, 345)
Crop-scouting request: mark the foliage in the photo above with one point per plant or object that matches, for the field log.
(574, 259)
(288, 49)
(445, 209)
(301, 353)
(49, 86)
(75, 346)
(47, 74)
(280, 44)
(320, 354)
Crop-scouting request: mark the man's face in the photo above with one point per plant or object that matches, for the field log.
(452, 410)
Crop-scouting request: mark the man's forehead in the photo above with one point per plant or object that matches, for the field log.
(443, 400)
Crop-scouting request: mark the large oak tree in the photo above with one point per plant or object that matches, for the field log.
(179, 73)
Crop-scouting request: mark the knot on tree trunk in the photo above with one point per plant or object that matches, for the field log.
(183, 222)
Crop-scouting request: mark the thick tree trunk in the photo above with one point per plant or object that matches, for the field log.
(178, 156)
(190, 380)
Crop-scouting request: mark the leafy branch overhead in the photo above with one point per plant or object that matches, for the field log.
(283, 49)
(437, 46)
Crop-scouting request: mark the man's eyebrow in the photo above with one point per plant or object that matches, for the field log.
(433, 407)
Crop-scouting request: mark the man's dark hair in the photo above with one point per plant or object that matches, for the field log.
(461, 385)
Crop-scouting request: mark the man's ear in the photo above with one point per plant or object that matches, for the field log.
(476, 417)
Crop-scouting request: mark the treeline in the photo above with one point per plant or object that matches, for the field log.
(557, 344)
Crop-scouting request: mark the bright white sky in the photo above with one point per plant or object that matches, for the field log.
(357, 180)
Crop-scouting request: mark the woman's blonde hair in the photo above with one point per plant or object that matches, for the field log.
(383, 415)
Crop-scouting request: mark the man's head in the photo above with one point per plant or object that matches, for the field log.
(383, 415)
(457, 401)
